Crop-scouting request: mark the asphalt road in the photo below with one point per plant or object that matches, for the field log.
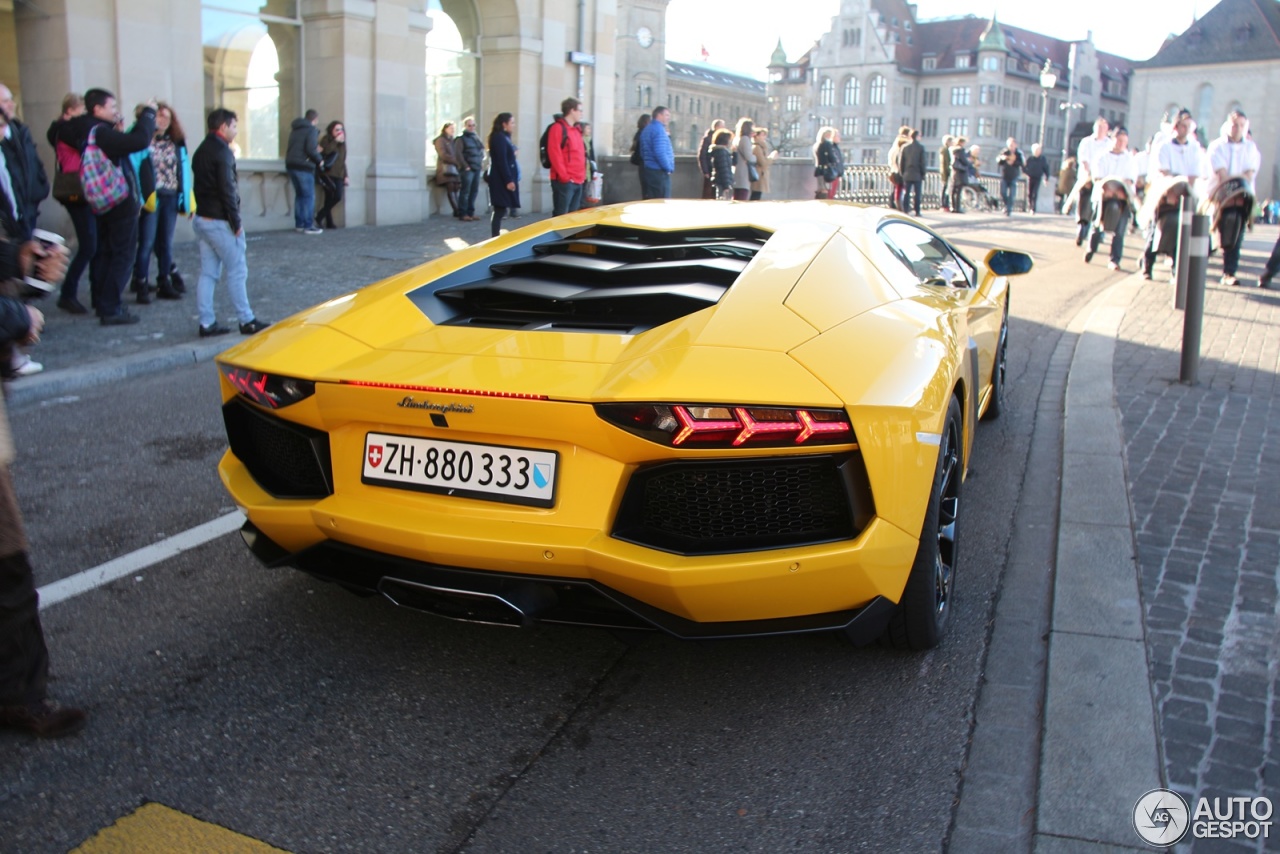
(291, 711)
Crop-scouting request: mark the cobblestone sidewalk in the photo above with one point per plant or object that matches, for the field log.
(1204, 478)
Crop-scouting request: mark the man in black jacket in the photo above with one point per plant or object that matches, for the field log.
(301, 157)
(26, 172)
(1036, 168)
(468, 150)
(112, 266)
(217, 225)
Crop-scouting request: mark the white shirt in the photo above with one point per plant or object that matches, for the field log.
(1235, 157)
(1088, 150)
(1109, 164)
(1182, 160)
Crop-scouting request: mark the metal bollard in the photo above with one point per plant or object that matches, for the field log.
(1193, 318)
(1182, 267)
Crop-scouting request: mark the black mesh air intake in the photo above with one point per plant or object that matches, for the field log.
(287, 460)
(722, 506)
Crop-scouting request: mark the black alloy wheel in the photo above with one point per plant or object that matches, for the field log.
(921, 620)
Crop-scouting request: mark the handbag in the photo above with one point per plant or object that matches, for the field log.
(753, 174)
(829, 173)
(66, 180)
(104, 183)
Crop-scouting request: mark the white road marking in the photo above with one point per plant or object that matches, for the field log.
(89, 579)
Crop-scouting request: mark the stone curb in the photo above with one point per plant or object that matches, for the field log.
(1100, 750)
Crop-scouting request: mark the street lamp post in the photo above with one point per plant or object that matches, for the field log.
(1047, 81)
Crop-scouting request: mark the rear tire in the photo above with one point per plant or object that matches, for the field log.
(995, 403)
(925, 608)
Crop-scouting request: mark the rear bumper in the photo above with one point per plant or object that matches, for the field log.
(509, 599)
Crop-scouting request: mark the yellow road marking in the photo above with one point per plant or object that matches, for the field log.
(159, 829)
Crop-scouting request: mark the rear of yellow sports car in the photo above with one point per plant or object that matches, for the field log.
(630, 417)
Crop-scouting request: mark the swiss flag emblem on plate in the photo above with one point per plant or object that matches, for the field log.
(375, 455)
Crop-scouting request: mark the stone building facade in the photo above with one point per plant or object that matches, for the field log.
(879, 67)
(391, 70)
(1228, 59)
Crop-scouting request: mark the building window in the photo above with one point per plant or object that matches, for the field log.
(1013, 99)
(795, 74)
(857, 37)
(1086, 85)
(986, 126)
(990, 63)
(870, 155)
(1011, 64)
(962, 60)
(906, 96)
(958, 127)
(1033, 102)
(253, 67)
(877, 90)
(849, 126)
(959, 96)
(929, 128)
(875, 126)
(987, 94)
(930, 97)
(793, 131)
(930, 63)
(793, 103)
(675, 104)
(827, 93)
(852, 92)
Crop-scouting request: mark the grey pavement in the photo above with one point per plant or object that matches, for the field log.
(1135, 640)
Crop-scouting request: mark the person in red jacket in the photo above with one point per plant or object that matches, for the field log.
(568, 156)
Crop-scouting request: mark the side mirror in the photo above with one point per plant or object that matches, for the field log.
(1006, 262)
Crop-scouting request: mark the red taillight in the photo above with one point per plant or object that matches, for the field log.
(697, 426)
(270, 390)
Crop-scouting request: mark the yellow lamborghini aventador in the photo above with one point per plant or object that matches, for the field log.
(715, 419)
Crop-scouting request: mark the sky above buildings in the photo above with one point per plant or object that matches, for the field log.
(1132, 30)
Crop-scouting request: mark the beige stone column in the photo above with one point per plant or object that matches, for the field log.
(366, 65)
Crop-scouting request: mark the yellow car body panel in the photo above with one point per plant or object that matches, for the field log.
(814, 321)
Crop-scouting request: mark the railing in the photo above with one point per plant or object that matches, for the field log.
(869, 184)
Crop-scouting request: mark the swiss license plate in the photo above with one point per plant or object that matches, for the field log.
(492, 472)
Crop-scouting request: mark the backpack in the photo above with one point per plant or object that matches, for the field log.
(104, 183)
(542, 145)
(66, 181)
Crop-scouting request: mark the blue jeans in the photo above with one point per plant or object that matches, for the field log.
(1008, 190)
(86, 226)
(304, 198)
(1117, 238)
(221, 252)
(467, 194)
(654, 183)
(908, 189)
(155, 233)
(566, 197)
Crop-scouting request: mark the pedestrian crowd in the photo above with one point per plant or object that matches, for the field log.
(1115, 189)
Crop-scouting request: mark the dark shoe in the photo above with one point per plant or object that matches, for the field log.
(120, 318)
(166, 290)
(1263, 282)
(1088, 255)
(213, 329)
(72, 306)
(1146, 274)
(1079, 241)
(253, 326)
(175, 278)
(144, 295)
(43, 720)
(139, 286)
